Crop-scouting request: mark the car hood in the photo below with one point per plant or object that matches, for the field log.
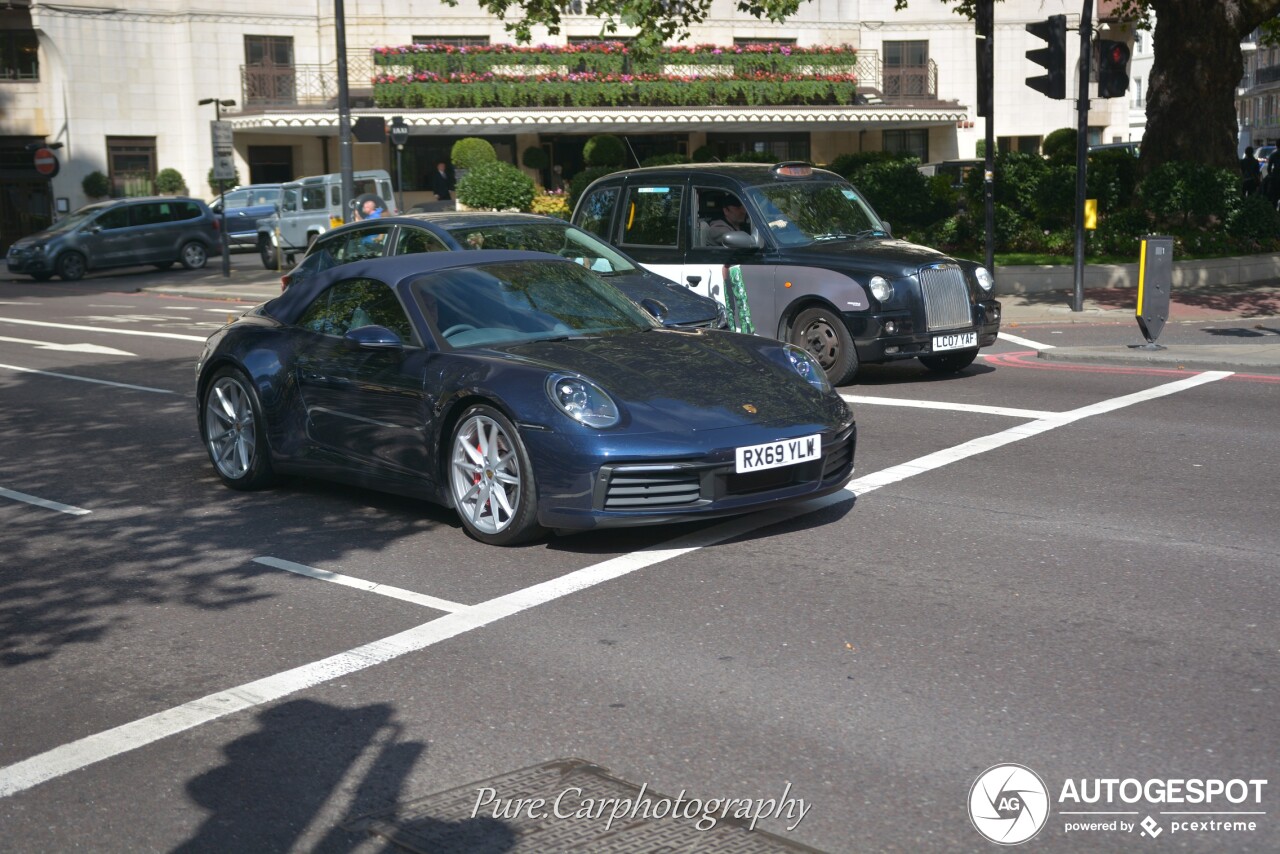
(711, 379)
(683, 305)
(886, 256)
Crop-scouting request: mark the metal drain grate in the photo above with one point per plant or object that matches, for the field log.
(443, 824)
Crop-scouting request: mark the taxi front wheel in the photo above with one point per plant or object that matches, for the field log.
(823, 334)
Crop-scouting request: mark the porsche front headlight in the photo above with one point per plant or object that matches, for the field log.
(582, 400)
(807, 367)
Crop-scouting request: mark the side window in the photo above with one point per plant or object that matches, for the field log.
(151, 213)
(289, 201)
(354, 303)
(114, 218)
(335, 196)
(651, 216)
(238, 199)
(596, 211)
(414, 240)
(313, 198)
(186, 210)
(359, 245)
(719, 212)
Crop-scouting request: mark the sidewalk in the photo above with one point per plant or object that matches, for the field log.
(1254, 310)
(1253, 307)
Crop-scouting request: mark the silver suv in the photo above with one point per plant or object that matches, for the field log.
(311, 206)
(157, 230)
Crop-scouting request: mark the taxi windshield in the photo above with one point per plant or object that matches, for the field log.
(801, 213)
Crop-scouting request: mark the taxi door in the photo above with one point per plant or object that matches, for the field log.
(650, 215)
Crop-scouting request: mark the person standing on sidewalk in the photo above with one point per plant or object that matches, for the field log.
(1250, 172)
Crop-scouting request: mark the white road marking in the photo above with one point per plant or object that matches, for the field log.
(44, 502)
(131, 736)
(69, 348)
(85, 379)
(953, 407)
(982, 444)
(141, 332)
(1024, 342)
(360, 584)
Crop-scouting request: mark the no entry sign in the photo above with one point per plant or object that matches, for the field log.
(46, 162)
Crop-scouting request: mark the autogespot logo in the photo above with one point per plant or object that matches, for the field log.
(1008, 804)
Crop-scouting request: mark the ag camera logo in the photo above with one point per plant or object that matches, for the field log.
(1008, 804)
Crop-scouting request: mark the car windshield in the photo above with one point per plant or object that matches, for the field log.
(77, 219)
(556, 238)
(524, 301)
(801, 213)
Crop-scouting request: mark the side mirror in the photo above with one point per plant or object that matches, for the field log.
(887, 228)
(372, 338)
(740, 240)
(657, 309)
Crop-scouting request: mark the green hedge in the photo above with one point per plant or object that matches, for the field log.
(563, 92)
(611, 57)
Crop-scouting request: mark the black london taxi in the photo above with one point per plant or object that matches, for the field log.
(797, 253)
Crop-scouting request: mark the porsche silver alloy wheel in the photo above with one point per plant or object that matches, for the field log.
(230, 428)
(485, 475)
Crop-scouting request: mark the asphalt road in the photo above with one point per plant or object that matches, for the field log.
(1070, 567)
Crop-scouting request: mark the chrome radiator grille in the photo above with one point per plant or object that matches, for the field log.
(946, 297)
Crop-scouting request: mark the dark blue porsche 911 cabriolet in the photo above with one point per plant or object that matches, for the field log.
(522, 390)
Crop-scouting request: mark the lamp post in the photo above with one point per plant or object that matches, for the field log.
(221, 148)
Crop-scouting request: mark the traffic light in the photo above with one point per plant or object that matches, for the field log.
(1053, 57)
(1113, 69)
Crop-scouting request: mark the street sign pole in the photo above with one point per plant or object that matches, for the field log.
(1082, 152)
(399, 132)
(224, 169)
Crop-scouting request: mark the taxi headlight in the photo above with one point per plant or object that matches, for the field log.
(881, 289)
(582, 400)
(985, 280)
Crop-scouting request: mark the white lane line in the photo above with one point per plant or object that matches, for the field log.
(953, 407)
(139, 332)
(1024, 342)
(44, 502)
(982, 444)
(361, 584)
(86, 379)
(135, 734)
(69, 348)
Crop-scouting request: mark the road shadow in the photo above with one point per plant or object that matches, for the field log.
(295, 783)
(1244, 302)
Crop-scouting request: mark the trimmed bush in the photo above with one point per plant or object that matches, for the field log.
(848, 164)
(471, 151)
(551, 204)
(1060, 146)
(604, 150)
(1179, 195)
(665, 160)
(752, 157)
(222, 186)
(96, 185)
(704, 154)
(535, 157)
(496, 186)
(900, 194)
(170, 182)
(1255, 220)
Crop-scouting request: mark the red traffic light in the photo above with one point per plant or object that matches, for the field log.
(1113, 69)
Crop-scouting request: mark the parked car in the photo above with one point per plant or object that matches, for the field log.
(245, 206)
(311, 206)
(158, 230)
(456, 231)
(815, 265)
(520, 389)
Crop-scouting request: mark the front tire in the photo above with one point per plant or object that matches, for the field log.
(71, 266)
(234, 431)
(824, 335)
(949, 363)
(270, 254)
(193, 255)
(491, 479)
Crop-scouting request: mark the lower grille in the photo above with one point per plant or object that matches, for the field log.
(838, 459)
(946, 297)
(640, 489)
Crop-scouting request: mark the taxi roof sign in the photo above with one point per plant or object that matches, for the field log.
(795, 169)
